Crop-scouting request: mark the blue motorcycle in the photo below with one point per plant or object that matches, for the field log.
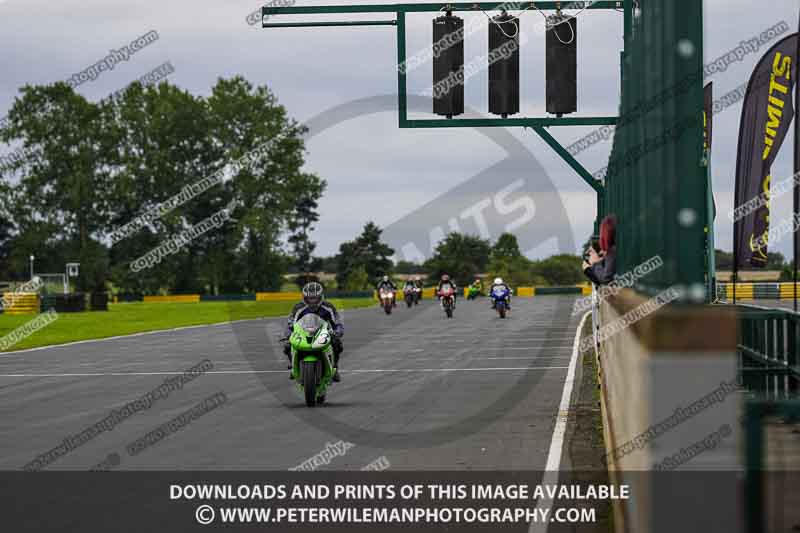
(500, 299)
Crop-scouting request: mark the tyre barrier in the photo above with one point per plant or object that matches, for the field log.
(173, 298)
(20, 303)
(98, 301)
(227, 297)
(757, 291)
(64, 303)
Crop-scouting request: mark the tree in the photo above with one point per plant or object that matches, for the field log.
(63, 191)
(6, 245)
(301, 223)
(775, 261)
(563, 269)
(93, 167)
(407, 267)
(724, 261)
(506, 247)
(7, 231)
(365, 251)
(327, 264)
(460, 256)
(508, 263)
(357, 280)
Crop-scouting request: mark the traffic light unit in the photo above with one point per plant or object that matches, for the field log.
(448, 63)
(561, 48)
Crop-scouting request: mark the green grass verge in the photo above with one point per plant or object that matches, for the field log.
(129, 318)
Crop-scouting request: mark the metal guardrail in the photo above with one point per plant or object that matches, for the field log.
(768, 344)
(755, 413)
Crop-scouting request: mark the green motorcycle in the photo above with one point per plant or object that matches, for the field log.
(473, 292)
(312, 353)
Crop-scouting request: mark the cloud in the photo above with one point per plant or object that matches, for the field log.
(311, 70)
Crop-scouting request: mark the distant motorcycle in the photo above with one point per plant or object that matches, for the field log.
(417, 295)
(473, 292)
(387, 300)
(409, 296)
(500, 296)
(312, 355)
(448, 300)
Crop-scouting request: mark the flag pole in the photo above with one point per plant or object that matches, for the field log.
(735, 266)
(795, 190)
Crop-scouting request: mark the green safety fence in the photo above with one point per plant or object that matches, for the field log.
(656, 179)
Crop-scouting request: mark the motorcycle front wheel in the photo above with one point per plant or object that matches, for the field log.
(310, 382)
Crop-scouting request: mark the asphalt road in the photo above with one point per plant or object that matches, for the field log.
(420, 391)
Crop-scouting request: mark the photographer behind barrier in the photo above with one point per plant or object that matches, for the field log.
(601, 266)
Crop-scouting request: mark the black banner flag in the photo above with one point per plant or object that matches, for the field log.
(708, 115)
(767, 113)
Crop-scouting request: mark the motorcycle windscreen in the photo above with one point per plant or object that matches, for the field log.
(310, 324)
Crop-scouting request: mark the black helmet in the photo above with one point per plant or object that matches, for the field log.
(313, 295)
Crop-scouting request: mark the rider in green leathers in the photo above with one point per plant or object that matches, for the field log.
(314, 302)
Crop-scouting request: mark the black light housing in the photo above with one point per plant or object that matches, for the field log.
(448, 66)
(562, 64)
(504, 65)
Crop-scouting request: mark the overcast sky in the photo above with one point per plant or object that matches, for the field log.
(376, 171)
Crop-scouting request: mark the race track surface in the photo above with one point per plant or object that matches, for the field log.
(421, 391)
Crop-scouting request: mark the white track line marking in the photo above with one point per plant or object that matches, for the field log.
(529, 348)
(367, 371)
(479, 358)
(550, 475)
(542, 357)
(458, 369)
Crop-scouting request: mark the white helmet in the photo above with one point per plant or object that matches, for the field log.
(498, 281)
(313, 294)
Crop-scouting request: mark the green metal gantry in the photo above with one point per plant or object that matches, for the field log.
(537, 124)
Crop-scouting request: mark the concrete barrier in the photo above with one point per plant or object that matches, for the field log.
(661, 378)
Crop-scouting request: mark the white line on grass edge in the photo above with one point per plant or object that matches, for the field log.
(550, 474)
(153, 332)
